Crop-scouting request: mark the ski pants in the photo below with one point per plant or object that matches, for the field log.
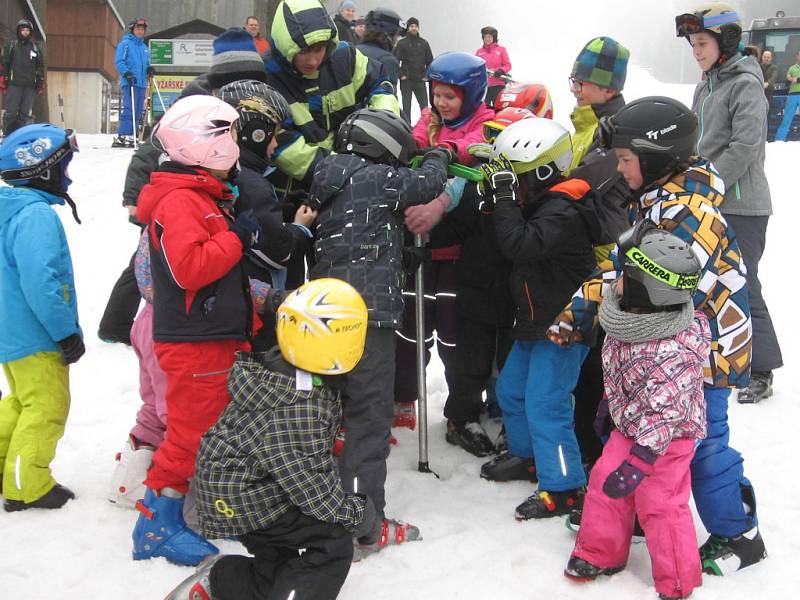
(151, 420)
(588, 394)
(662, 504)
(418, 88)
(32, 421)
(535, 394)
(789, 110)
(478, 346)
(367, 413)
(295, 555)
(719, 486)
(121, 307)
(126, 116)
(751, 234)
(197, 392)
(441, 316)
(17, 103)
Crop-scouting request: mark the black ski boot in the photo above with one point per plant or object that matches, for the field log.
(574, 524)
(760, 387)
(543, 505)
(119, 142)
(470, 436)
(508, 467)
(723, 555)
(580, 570)
(55, 498)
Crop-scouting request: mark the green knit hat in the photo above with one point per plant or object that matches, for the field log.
(603, 62)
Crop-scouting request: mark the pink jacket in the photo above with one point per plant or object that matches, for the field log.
(469, 132)
(495, 57)
(655, 388)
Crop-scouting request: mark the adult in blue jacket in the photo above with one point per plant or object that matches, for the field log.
(132, 60)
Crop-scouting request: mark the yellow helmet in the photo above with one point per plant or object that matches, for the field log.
(322, 327)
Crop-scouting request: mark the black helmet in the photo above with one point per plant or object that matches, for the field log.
(492, 31)
(262, 111)
(379, 135)
(385, 20)
(24, 23)
(660, 130)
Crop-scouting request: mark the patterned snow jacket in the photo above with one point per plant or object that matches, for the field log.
(687, 206)
(655, 388)
(270, 451)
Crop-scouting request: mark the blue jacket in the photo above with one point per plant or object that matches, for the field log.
(132, 55)
(38, 306)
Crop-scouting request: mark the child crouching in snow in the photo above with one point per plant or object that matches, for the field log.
(653, 359)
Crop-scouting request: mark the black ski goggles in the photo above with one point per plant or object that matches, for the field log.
(688, 23)
(70, 145)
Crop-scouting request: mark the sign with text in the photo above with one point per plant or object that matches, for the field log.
(170, 88)
(181, 53)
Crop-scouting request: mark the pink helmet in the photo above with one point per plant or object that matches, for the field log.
(195, 131)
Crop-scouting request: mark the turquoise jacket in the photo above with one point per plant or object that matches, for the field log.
(38, 306)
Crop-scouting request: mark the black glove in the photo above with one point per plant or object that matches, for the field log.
(413, 257)
(150, 71)
(499, 73)
(367, 525)
(128, 76)
(443, 153)
(422, 151)
(72, 348)
(247, 228)
(499, 179)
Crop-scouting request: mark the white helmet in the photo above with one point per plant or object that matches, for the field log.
(534, 143)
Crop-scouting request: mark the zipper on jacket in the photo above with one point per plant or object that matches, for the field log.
(702, 110)
(738, 191)
(528, 296)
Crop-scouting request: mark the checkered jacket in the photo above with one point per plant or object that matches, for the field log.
(270, 451)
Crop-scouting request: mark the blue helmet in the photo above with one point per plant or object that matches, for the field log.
(467, 72)
(37, 156)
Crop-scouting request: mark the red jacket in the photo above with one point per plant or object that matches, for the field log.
(495, 57)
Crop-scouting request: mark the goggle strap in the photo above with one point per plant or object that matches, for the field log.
(678, 281)
(40, 167)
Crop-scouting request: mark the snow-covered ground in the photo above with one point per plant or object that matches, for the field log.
(472, 548)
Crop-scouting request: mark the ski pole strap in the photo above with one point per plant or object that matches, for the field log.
(454, 170)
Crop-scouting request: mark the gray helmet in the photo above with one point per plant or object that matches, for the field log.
(379, 135)
(659, 268)
(262, 112)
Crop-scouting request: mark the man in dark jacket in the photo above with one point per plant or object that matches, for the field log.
(383, 26)
(414, 54)
(22, 75)
(344, 19)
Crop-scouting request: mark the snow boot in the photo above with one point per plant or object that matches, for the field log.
(55, 498)
(470, 436)
(580, 570)
(760, 387)
(122, 141)
(196, 586)
(391, 533)
(127, 480)
(573, 523)
(543, 504)
(508, 467)
(723, 555)
(161, 531)
(405, 415)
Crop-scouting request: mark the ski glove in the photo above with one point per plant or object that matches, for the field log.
(499, 73)
(128, 76)
(247, 228)
(367, 524)
(413, 257)
(150, 71)
(42, 87)
(72, 348)
(3, 84)
(630, 473)
(564, 334)
(421, 218)
(499, 180)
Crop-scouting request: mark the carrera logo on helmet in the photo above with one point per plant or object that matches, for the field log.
(654, 133)
(647, 265)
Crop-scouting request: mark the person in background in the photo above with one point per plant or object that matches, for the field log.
(22, 75)
(132, 60)
(415, 56)
(497, 63)
(252, 27)
(792, 100)
(770, 72)
(344, 19)
(360, 27)
(384, 27)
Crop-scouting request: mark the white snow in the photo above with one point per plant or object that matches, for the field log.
(472, 547)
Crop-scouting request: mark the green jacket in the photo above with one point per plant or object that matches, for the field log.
(794, 71)
(346, 81)
(770, 73)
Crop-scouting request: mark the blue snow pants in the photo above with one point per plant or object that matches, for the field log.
(719, 486)
(126, 117)
(535, 394)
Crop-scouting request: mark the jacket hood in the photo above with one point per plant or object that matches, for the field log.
(700, 178)
(129, 36)
(174, 177)
(333, 174)
(738, 64)
(299, 24)
(14, 199)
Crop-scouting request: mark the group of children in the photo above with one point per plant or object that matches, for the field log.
(250, 427)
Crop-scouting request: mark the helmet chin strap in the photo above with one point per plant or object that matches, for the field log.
(71, 203)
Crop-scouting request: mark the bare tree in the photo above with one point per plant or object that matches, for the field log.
(265, 11)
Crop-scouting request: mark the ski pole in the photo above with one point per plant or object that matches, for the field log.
(422, 392)
(133, 116)
(160, 99)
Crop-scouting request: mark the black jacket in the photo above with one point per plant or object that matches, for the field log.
(414, 54)
(345, 30)
(549, 243)
(23, 63)
(389, 61)
(359, 226)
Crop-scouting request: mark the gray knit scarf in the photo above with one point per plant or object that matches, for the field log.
(635, 327)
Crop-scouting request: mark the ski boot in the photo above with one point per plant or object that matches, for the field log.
(161, 531)
(580, 570)
(196, 586)
(508, 467)
(405, 415)
(760, 387)
(723, 555)
(548, 504)
(573, 523)
(392, 533)
(470, 436)
(127, 480)
(55, 498)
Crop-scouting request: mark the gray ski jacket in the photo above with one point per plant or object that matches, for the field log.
(732, 110)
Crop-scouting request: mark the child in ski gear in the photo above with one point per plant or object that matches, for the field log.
(22, 74)
(655, 348)
(682, 193)
(498, 65)
(730, 103)
(202, 312)
(265, 472)
(360, 193)
(40, 335)
(132, 60)
(541, 230)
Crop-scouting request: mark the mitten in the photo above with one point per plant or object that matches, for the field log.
(413, 257)
(128, 76)
(247, 228)
(420, 219)
(630, 473)
(72, 348)
(3, 84)
(150, 71)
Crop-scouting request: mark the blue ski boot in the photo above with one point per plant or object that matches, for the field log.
(161, 531)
